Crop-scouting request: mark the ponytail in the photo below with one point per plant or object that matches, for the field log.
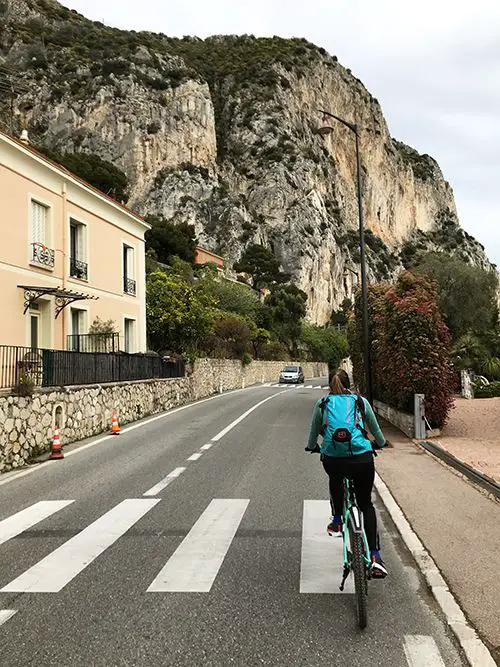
(336, 386)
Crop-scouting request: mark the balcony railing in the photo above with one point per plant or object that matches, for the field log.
(129, 286)
(78, 269)
(24, 368)
(100, 342)
(42, 255)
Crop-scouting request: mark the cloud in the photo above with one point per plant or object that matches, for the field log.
(433, 65)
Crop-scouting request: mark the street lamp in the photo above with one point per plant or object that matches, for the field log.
(325, 130)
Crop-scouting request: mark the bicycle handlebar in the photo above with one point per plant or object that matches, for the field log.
(375, 448)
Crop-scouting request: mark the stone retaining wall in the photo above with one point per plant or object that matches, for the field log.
(402, 420)
(26, 424)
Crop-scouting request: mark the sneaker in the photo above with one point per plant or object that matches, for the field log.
(378, 568)
(335, 525)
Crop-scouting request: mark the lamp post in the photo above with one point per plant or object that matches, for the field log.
(324, 130)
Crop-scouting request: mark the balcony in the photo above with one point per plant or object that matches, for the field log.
(100, 342)
(42, 256)
(129, 286)
(78, 269)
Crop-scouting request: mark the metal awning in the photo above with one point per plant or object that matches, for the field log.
(62, 296)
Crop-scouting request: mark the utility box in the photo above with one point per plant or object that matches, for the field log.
(419, 410)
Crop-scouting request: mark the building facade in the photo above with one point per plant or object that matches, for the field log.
(204, 256)
(68, 255)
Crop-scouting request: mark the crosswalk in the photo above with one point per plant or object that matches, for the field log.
(194, 565)
(196, 562)
(323, 387)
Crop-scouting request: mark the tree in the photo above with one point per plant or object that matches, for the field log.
(103, 175)
(285, 308)
(232, 297)
(231, 337)
(262, 265)
(178, 315)
(341, 317)
(467, 294)
(325, 345)
(410, 345)
(168, 239)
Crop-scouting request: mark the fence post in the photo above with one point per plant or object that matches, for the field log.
(419, 412)
(466, 384)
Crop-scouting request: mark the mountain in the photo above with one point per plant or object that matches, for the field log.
(222, 133)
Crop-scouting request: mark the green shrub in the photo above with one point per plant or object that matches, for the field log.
(487, 391)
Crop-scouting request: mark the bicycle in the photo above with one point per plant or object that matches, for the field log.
(357, 555)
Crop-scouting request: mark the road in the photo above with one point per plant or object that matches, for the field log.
(197, 538)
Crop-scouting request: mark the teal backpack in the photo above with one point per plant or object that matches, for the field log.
(343, 425)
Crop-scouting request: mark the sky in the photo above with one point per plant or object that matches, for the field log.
(434, 66)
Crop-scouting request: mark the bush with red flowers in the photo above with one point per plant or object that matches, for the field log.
(410, 346)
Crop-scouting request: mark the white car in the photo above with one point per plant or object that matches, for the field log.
(292, 375)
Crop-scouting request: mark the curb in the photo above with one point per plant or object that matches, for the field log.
(465, 469)
(475, 650)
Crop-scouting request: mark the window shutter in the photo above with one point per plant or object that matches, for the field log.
(130, 263)
(39, 222)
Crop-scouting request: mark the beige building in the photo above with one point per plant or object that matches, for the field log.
(68, 254)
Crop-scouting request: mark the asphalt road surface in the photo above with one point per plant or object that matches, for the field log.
(198, 538)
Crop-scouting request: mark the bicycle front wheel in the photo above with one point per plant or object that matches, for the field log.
(360, 582)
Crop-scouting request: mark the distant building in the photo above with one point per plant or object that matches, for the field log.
(204, 256)
(69, 254)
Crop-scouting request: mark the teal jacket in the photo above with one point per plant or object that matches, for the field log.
(371, 424)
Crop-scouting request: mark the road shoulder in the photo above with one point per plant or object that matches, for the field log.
(451, 528)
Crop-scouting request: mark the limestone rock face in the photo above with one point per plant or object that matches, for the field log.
(222, 134)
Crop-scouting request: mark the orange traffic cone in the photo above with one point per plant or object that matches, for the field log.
(115, 426)
(56, 452)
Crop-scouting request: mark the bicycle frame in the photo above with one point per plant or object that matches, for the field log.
(352, 517)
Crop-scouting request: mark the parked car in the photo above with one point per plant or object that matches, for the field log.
(292, 375)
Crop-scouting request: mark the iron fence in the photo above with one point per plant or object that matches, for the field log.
(24, 366)
(102, 342)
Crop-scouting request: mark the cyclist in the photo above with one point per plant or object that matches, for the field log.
(348, 452)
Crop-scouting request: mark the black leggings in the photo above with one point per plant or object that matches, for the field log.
(361, 470)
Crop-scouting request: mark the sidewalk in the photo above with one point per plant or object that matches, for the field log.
(458, 525)
(473, 434)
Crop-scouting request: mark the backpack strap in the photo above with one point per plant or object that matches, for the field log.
(322, 405)
(360, 406)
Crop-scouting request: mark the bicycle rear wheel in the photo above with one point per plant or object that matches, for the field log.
(360, 582)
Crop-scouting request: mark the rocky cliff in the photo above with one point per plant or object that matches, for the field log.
(222, 133)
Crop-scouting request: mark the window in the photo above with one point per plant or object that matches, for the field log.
(40, 254)
(38, 223)
(129, 286)
(77, 262)
(34, 330)
(78, 317)
(129, 335)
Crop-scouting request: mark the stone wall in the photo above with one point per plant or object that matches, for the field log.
(26, 423)
(402, 420)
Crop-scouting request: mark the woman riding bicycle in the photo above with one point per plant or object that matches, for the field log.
(346, 451)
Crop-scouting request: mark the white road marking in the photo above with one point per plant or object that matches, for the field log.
(51, 574)
(209, 445)
(242, 417)
(193, 567)
(21, 521)
(155, 490)
(309, 386)
(10, 477)
(422, 651)
(195, 456)
(322, 555)
(5, 614)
